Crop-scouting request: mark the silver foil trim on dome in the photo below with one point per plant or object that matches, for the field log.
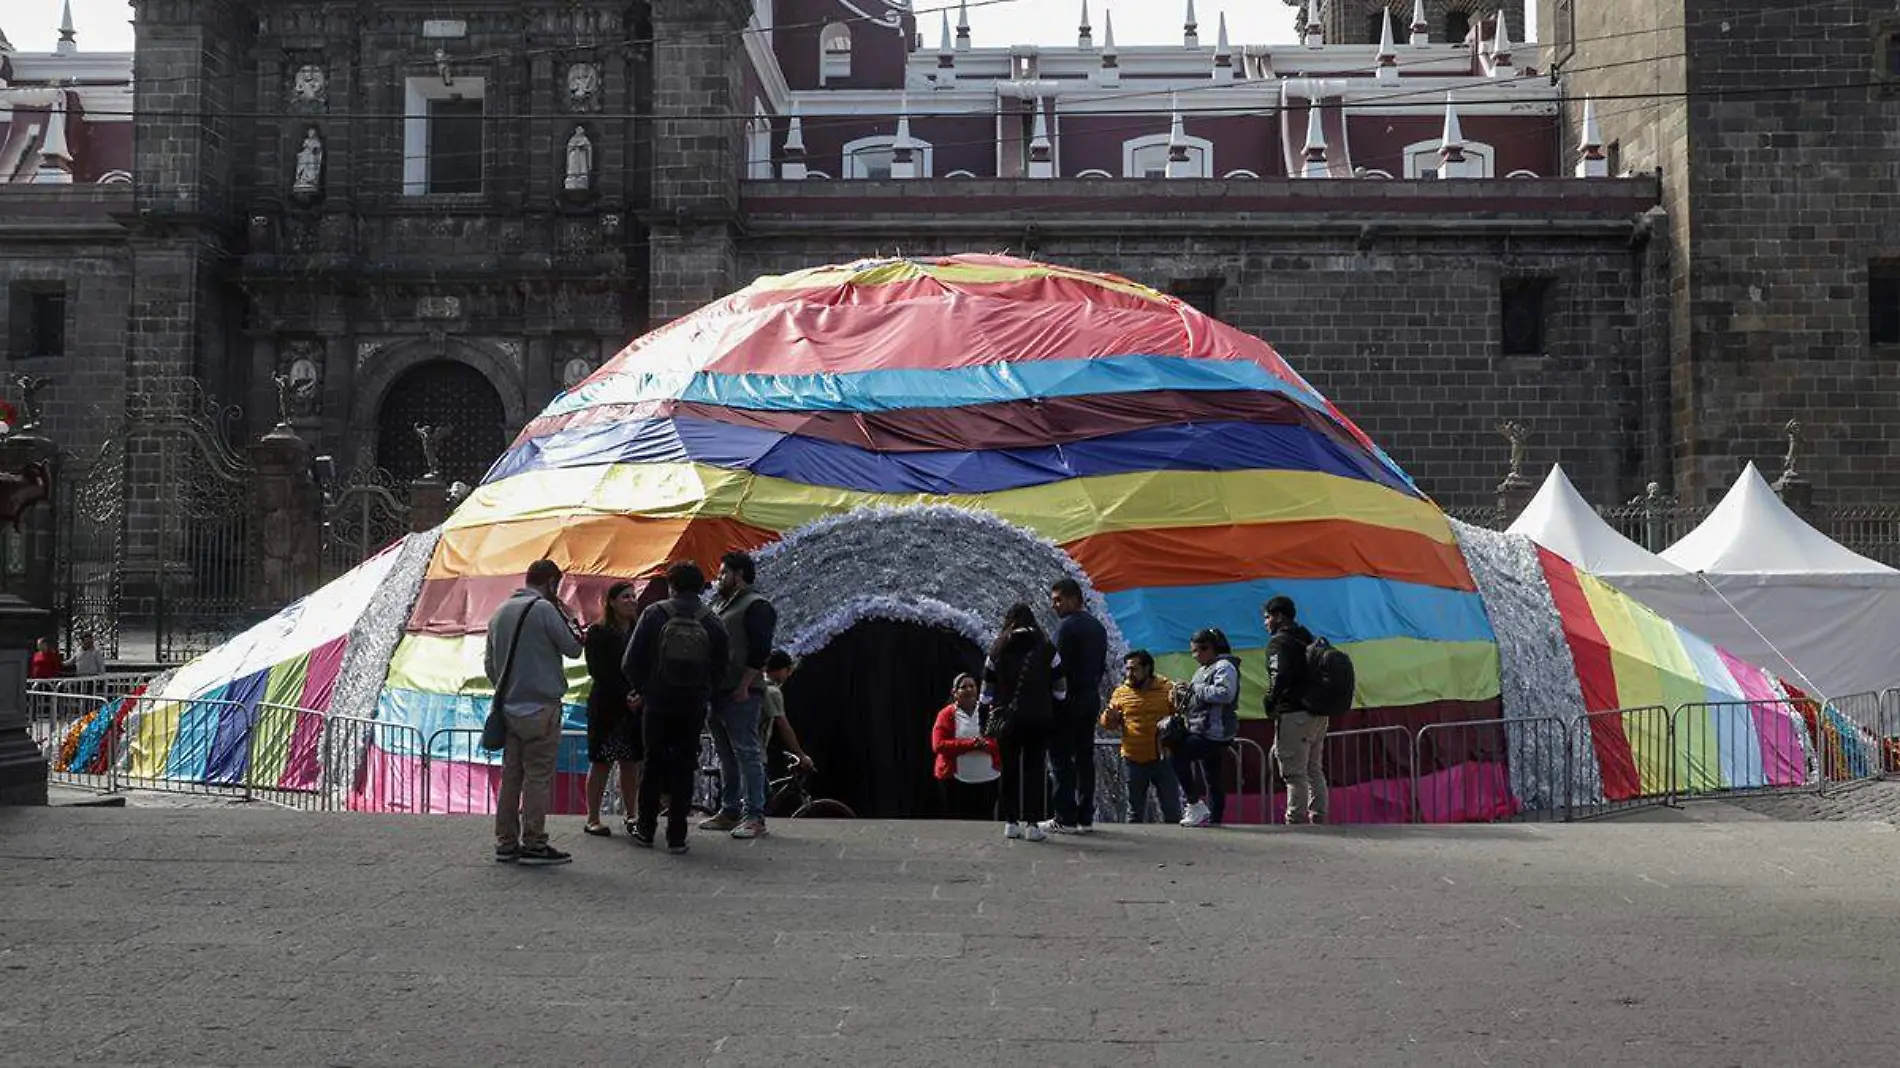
(1537, 673)
(375, 634)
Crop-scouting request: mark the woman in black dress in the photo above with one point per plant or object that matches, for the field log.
(613, 730)
(1023, 676)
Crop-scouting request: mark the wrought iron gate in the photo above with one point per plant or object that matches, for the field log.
(89, 498)
(361, 515)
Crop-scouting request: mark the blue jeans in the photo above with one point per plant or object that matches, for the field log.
(735, 735)
(1160, 775)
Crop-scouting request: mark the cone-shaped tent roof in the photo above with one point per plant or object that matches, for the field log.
(1753, 533)
(1559, 519)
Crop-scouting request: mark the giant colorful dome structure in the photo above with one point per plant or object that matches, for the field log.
(926, 441)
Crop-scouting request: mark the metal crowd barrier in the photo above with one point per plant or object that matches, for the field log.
(1496, 770)
(1633, 764)
(461, 778)
(1374, 764)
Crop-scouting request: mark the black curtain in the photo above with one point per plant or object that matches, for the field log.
(864, 705)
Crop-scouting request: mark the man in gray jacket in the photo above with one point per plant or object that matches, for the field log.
(529, 636)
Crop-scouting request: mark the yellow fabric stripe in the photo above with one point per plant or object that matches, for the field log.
(1391, 673)
(1061, 511)
(435, 663)
(1638, 680)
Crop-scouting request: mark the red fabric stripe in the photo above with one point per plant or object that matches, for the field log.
(1597, 676)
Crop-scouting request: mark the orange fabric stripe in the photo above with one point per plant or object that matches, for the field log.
(1323, 548)
(625, 546)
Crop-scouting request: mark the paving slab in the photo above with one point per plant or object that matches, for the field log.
(250, 936)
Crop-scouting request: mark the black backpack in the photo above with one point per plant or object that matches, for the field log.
(1329, 680)
(682, 651)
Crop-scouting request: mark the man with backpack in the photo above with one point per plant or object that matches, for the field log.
(1308, 675)
(676, 657)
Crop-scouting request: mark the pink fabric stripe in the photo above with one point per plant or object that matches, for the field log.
(302, 770)
(1782, 762)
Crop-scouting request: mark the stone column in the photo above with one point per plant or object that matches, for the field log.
(22, 767)
(428, 504)
(289, 517)
(37, 523)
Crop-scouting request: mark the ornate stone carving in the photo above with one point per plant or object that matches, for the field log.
(580, 162)
(1519, 435)
(301, 366)
(511, 350)
(308, 179)
(310, 85)
(31, 410)
(583, 87)
(365, 352)
(438, 307)
(1795, 436)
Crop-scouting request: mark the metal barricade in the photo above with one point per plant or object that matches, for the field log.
(196, 745)
(1484, 771)
(1890, 731)
(462, 778)
(1850, 738)
(78, 735)
(374, 766)
(1748, 747)
(1628, 758)
(1242, 806)
(1368, 777)
(97, 686)
(287, 758)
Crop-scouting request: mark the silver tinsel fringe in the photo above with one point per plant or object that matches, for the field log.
(1538, 675)
(374, 636)
(938, 565)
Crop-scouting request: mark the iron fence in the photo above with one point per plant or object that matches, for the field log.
(1369, 776)
(462, 778)
(1628, 757)
(1484, 771)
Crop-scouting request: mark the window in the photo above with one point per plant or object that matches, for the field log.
(1421, 159)
(38, 315)
(1883, 303)
(1147, 157)
(1522, 309)
(1201, 294)
(1457, 27)
(444, 147)
(1890, 54)
(870, 158)
(834, 52)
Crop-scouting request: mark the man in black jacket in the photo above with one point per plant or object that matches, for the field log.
(1082, 642)
(671, 670)
(1299, 736)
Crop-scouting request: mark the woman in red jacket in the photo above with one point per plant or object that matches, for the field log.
(45, 663)
(968, 764)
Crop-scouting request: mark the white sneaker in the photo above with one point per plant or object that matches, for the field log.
(1012, 830)
(1036, 833)
(1052, 827)
(1197, 815)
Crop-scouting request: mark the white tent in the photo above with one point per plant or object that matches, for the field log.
(1753, 579)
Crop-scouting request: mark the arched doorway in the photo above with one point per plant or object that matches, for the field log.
(864, 705)
(441, 393)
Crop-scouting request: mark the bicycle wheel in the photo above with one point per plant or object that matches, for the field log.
(782, 799)
(824, 808)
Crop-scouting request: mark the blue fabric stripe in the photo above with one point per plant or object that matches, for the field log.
(231, 748)
(1342, 610)
(461, 715)
(894, 390)
(1217, 446)
(1737, 742)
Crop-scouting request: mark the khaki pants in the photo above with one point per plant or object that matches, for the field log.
(527, 778)
(1300, 747)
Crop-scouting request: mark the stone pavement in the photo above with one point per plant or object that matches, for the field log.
(250, 936)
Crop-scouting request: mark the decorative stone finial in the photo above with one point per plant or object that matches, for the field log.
(1191, 28)
(1451, 145)
(794, 169)
(1316, 165)
(1223, 53)
(1180, 165)
(1388, 68)
(1421, 29)
(963, 26)
(903, 149)
(1591, 162)
(1793, 432)
(1316, 26)
(68, 38)
(946, 47)
(1084, 33)
(1501, 48)
(1041, 151)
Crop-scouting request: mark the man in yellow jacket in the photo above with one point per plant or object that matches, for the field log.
(1136, 710)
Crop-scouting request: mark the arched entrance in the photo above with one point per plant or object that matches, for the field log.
(863, 706)
(885, 606)
(441, 393)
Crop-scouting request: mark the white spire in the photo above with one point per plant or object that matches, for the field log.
(1421, 29)
(903, 149)
(1388, 68)
(56, 160)
(1191, 28)
(1316, 165)
(1179, 165)
(68, 40)
(946, 44)
(963, 26)
(1223, 54)
(794, 169)
(946, 57)
(1110, 71)
(1591, 162)
(1041, 152)
(1451, 145)
(1084, 33)
(1501, 48)
(1315, 31)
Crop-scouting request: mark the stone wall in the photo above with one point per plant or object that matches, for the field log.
(1385, 295)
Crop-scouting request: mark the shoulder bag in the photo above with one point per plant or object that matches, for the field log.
(1002, 718)
(495, 727)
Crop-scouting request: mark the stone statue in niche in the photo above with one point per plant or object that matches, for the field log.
(431, 438)
(583, 86)
(575, 371)
(308, 180)
(309, 84)
(580, 162)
